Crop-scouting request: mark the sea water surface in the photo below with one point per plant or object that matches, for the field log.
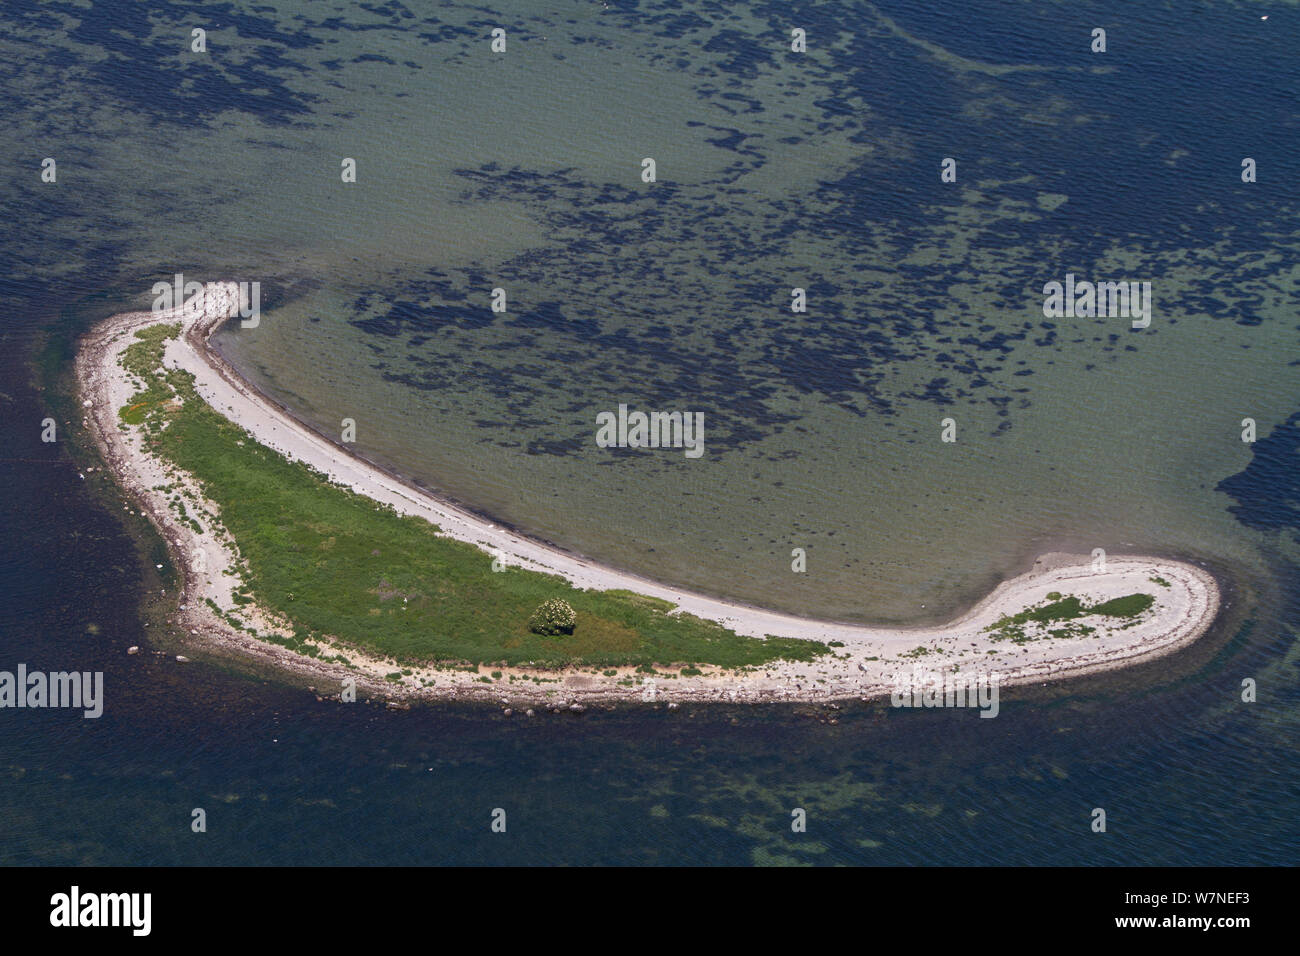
(775, 170)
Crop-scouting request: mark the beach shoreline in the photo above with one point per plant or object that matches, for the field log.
(866, 666)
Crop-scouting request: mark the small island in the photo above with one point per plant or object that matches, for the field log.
(295, 551)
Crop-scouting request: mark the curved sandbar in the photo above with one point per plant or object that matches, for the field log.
(868, 664)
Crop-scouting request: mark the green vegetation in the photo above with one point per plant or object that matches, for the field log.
(340, 565)
(1160, 581)
(134, 414)
(643, 600)
(1012, 626)
(1131, 605)
(553, 618)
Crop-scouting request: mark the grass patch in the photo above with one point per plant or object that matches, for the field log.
(338, 564)
(1131, 605)
(134, 414)
(643, 600)
(1065, 611)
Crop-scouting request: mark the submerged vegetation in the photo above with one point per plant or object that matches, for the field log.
(342, 566)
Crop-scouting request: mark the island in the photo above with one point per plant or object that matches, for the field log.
(293, 550)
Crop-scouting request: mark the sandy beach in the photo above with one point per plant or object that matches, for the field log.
(867, 665)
